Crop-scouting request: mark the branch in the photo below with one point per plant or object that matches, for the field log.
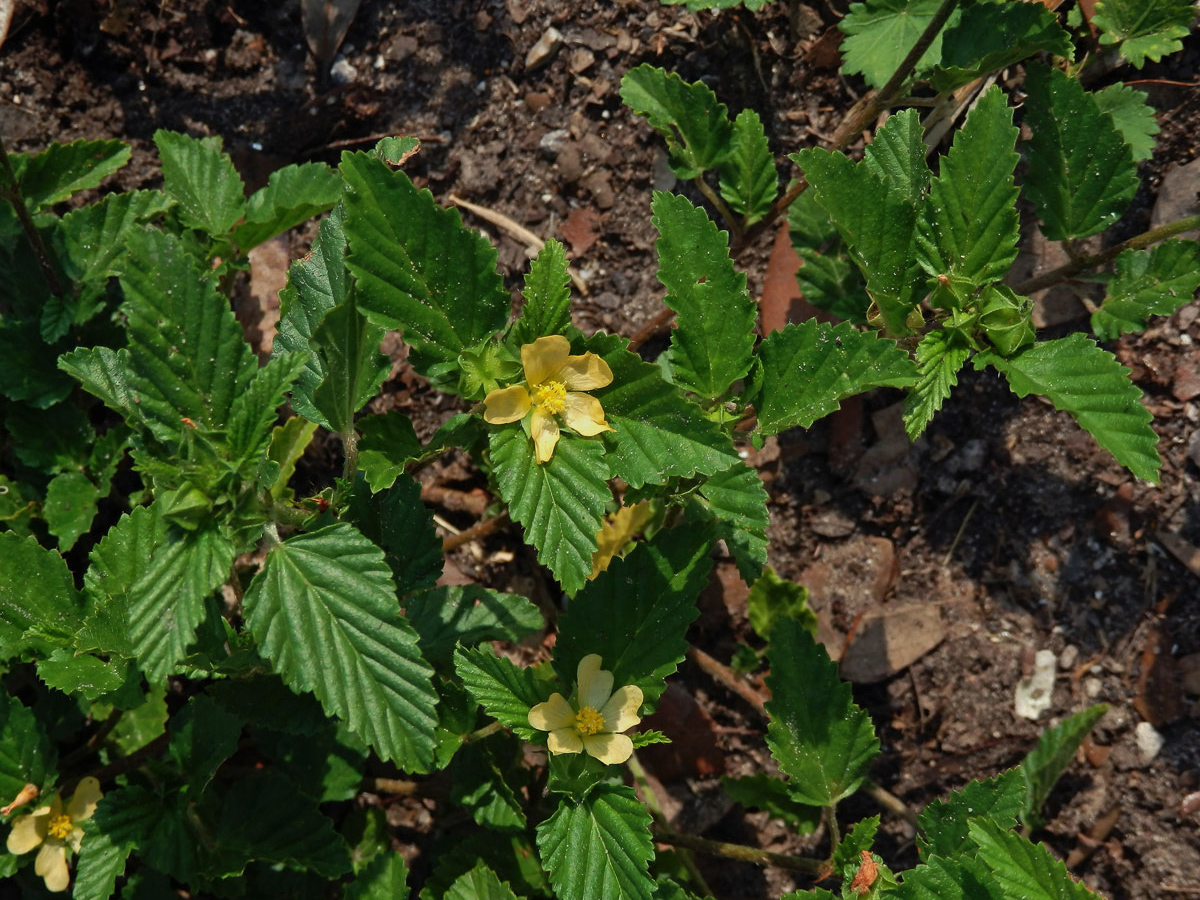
(818, 867)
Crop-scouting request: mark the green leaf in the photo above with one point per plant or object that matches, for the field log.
(327, 766)
(713, 343)
(773, 598)
(384, 878)
(943, 823)
(398, 522)
(940, 354)
(968, 229)
(1132, 115)
(694, 123)
(599, 846)
(1024, 869)
(658, 434)
(1081, 172)
(479, 782)
(1080, 378)
(560, 503)
(82, 674)
(199, 175)
(63, 170)
(151, 581)
(36, 592)
(26, 754)
(827, 277)
(993, 36)
(417, 267)
(291, 195)
(323, 610)
(94, 237)
(505, 692)
(388, 442)
(288, 443)
(737, 502)
(124, 819)
(1047, 761)
(547, 295)
(748, 178)
(203, 735)
(880, 33)
(635, 613)
(876, 219)
(762, 791)
(1145, 29)
(481, 883)
(821, 740)
(253, 412)
(106, 374)
(56, 439)
(185, 347)
(962, 878)
(445, 617)
(70, 507)
(807, 370)
(348, 347)
(854, 842)
(1152, 282)
(897, 156)
(27, 370)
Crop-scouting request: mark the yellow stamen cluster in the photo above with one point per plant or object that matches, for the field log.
(60, 827)
(551, 397)
(588, 721)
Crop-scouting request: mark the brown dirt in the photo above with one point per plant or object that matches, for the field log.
(1005, 516)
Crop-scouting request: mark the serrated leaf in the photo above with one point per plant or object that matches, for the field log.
(291, 195)
(1145, 29)
(880, 33)
(827, 277)
(26, 754)
(897, 156)
(748, 179)
(417, 268)
(560, 503)
(62, 170)
(36, 591)
(106, 374)
(445, 617)
(773, 598)
(399, 523)
(713, 342)
(1081, 172)
(636, 613)
(253, 412)
(348, 346)
(69, 507)
(737, 502)
(694, 123)
(547, 295)
(1024, 869)
(1132, 115)
(948, 879)
(93, 238)
(1081, 379)
(203, 735)
(481, 883)
(151, 581)
(505, 692)
(81, 674)
(1153, 282)
(807, 370)
(599, 846)
(124, 818)
(384, 878)
(479, 782)
(943, 823)
(993, 36)
(387, 443)
(185, 346)
(202, 178)
(877, 221)
(940, 355)
(854, 842)
(323, 610)
(821, 740)
(968, 229)
(1047, 761)
(27, 366)
(658, 434)
(55, 439)
(762, 791)
(328, 766)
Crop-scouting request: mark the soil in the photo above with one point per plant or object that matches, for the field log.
(1005, 522)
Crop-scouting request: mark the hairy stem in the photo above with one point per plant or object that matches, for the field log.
(741, 852)
(735, 229)
(11, 192)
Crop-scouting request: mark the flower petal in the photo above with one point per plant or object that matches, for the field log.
(586, 372)
(84, 800)
(28, 831)
(544, 430)
(544, 357)
(595, 683)
(610, 749)
(584, 414)
(564, 740)
(555, 713)
(506, 405)
(51, 864)
(621, 711)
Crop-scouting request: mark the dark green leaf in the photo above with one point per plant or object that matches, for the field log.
(70, 507)
(694, 123)
(56, 439)
(288, 443)
(880, 33)
(62, 170)
(897, 156)
(1047, 761)
(505, 692)
(291, 195)
(94, 236)
(762, 791)
(384, 878)
(1132, 115)
(27, 369)
(737, 502)
(1024, 869)
(26, 754)
(81, 673)
(854, 842)
(398, 522)
(199, 175)
(827, 277)
(993, 36)
(940, 354)
(479, 782)
(749, 181)
(481, 883)
(445, 617)
(203, 735)
(1145, 29)
(36, 591)
(962, 878)
(388, 442)
(1153, 282)
(943, 823)
(124, 819)
(106, 374)
(253, 412)
(348, 346)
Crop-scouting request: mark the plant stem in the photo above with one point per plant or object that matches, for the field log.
(735, 230)
(1137, 242)
(650, 798)
(741, 852)
(478, 530)
(835, 835)
(350, 449)
(11, 192)
(480, 733)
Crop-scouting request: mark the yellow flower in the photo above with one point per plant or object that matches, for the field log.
(617, 531)
(553, 381)
(596, 724)
(54, 830)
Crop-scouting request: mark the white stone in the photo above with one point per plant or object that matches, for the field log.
(1149, 741)
(1035, 694)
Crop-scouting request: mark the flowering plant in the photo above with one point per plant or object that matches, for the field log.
(595, 722)
(56, 831)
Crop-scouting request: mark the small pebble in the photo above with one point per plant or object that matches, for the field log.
(1068, 657)
(1149, 741)
(1092, 687)
(342, 72)
(539, 54)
